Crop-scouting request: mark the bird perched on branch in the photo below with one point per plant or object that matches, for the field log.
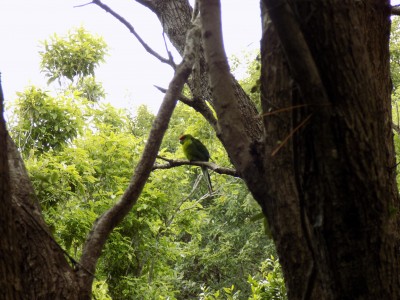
(194, 150)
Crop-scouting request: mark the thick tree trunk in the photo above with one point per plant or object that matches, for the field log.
(10, 280)
(42, 268)
(282, 206)
(32, 265)
(336, 197)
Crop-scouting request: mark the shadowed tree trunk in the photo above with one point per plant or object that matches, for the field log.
(32, 265)
(340, 197)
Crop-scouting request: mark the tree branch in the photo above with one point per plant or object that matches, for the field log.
(132, 30)
(181, 98)
(147, 3)
(230, 120)
(111, 218)
(171, 163)
(395, 10)
(198, 105)
(396, 127)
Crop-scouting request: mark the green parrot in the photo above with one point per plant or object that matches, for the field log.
(194, 150)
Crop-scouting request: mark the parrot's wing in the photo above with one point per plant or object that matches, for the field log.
(201, 150)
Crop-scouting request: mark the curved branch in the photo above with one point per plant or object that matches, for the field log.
(199, 106)
(395, 10)
(137, 36)
(172, 163)
(111, 218)
(232, 123)
(396, 128)
(147, 3)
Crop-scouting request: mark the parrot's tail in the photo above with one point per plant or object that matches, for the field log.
(207, 178)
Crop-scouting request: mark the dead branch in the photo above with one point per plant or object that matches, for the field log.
(396, 128)
(181, 98)
(395, 10)
(198, 105)
(147, 3)
(133, 31)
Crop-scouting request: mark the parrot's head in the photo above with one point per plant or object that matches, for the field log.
(184, 137)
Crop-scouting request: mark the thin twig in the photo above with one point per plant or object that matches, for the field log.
(195, 10)
(147, 3)
(277, 111)
(198, 105)
(171, 58)
(181, 98)
(395, 10)
(132, 30)
(290, 135)
(396, 128)
(82, 5)
(196, 184)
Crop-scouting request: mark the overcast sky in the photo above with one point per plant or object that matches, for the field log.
(129, 73)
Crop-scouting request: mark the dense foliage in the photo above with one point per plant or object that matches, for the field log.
(178, 242)
(75, 55)
(45, 122)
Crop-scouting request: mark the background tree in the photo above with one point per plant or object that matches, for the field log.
(73, 57)
(45, 123)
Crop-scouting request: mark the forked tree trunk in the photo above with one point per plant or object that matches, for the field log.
(334, 206)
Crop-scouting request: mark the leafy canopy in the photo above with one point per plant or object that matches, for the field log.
(43, 122)
(75, 55)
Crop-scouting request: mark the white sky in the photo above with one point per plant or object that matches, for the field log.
(130, 72)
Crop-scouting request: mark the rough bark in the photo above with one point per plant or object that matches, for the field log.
(10, 283)
(283, 207)
(340, 161)
(45, 272)
(32, 266)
